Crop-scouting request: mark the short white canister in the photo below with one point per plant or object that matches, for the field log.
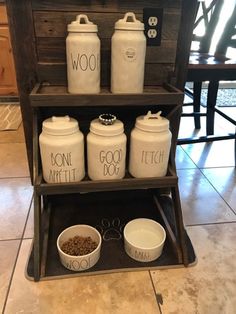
(128, 50)
(83, 57)
(62, 150)
(106, 148)
(150, 146)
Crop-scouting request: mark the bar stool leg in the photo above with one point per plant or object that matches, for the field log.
(211, 103)
(197, 87)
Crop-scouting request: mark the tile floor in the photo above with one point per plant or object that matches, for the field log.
(207, 180)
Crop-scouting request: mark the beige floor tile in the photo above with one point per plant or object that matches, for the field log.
(13, 136)
(102, 294)
(29, 229)
(8, 252)
(224, 181)
(15, 198)
(212, 154)
(182, 159)
(13, 160)
(221, 127)
(209, 287)
(200, 201)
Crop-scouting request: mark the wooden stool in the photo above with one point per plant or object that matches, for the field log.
(213, 68)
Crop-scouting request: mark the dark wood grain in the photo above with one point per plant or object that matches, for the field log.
(55, 73)
(23, 45)
(53, 49)
(87, 185)
(105, 5)
(58, 96)
(55, 25)
(189, 11)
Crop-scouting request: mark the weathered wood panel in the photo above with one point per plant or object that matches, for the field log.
(54, 50)
(105, 5)
(48, 24)
(51, 32)
(55, 73)
(23, 44)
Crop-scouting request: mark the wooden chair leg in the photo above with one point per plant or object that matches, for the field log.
(197, 87)
(235, 150)
(211, 103)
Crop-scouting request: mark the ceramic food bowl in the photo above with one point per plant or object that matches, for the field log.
(82, 262)
(144, 239)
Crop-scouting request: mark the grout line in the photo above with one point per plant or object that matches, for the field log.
(23, 177)
(27, 217)
(11, 277)
(5, 240)
(211, 224)
(11, 143)
(202, 172)
(16, 259)
(154, 289)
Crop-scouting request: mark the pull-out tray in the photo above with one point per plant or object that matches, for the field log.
(108, 213)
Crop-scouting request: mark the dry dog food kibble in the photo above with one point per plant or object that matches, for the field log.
(78, 246)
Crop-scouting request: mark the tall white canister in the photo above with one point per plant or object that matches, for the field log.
(150, 146)
(62, 150)
(106, 148)
(83, 57)
(128, 50)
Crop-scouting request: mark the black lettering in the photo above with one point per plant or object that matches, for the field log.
(92, 62)
(83, 62)
(74, 62)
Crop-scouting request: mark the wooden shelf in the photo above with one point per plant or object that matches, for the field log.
(44, 95)
(87, 185)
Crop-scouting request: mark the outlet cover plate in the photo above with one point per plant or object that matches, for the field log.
(152, 19)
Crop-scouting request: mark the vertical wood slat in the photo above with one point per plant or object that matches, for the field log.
(23, 44)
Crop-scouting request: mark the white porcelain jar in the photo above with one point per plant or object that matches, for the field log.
(150, 146)
(128, 50)
(83, 57)
(62, 150)
(106, 148)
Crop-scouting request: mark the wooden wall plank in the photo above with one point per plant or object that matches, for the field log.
(55, 73)
(55, 25)
(23, 44)
(53, 49)
(105, 5)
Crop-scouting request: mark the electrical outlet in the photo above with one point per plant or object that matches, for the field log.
(152, 21)
(152, 18)
(152, 33)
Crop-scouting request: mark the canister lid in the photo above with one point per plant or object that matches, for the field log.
(82, 25)
(129, 22)
(107, 125)
(152, 122)
(60, 125)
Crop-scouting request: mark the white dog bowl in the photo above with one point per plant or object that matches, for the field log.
(83, 262)
(144, 239)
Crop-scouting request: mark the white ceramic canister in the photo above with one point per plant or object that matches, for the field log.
(106, 148)
(83, 57)
(62, 150)
(128, 50)
(150, 146)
